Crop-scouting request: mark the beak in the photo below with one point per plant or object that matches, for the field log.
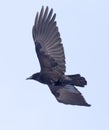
(29, 78)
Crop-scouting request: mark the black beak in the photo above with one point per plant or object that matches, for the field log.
(29, 78)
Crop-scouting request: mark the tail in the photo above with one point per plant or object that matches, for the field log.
(77, 80)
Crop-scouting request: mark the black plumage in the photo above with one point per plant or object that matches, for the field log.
(50, 53)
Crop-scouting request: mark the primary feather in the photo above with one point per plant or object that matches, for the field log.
(48, 42)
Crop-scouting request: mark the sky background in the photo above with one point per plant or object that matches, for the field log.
(29, 105)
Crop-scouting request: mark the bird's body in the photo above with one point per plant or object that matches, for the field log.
(50, 53)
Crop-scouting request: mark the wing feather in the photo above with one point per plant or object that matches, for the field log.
(68, 94)
(48, 42)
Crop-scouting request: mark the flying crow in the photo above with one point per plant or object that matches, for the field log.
(50, 52)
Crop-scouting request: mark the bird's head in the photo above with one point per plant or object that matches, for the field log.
(35, 76)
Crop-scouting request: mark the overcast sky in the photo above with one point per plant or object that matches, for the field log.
(29, 105)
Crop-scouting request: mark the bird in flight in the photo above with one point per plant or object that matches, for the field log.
(50, 52)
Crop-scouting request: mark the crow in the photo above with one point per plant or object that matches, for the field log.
(50, 52)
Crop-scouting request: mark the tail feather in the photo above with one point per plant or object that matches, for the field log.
(77, 80)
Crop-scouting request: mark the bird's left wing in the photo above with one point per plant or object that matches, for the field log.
(68, 94)
(47, 40)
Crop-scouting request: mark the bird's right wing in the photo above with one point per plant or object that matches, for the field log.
(47, 40)
(68, 94)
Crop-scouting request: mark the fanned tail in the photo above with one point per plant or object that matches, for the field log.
(77, 80)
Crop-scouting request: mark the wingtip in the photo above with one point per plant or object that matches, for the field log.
(87, 105)
(43, 7)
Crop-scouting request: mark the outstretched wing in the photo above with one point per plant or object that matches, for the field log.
(47, 40)
(68, 94)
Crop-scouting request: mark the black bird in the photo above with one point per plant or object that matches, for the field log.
(50, 53)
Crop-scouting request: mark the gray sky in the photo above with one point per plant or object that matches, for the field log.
(29, 105)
